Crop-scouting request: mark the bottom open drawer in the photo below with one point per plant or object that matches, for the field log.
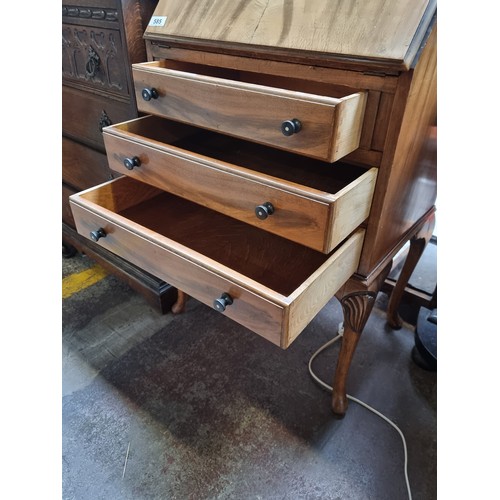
(266, 283)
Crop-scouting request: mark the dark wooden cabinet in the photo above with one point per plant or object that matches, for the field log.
(100, 42)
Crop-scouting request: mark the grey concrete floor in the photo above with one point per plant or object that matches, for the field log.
(197, 407)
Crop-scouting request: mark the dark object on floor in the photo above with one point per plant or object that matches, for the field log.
(424, 354)
(68, 251)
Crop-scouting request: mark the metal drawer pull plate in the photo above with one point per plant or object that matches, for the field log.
(224, 300)
(104, 120)
(264, 210)
(93, 63)
(130, 163)
(290, 127)
(148, 94)
(96, 235)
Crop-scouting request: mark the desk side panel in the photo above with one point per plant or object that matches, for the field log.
(406, 184)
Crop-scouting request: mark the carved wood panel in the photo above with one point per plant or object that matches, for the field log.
(95, 57)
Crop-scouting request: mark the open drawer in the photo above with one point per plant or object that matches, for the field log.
(270, 285)
(307, 201)
(313, 119)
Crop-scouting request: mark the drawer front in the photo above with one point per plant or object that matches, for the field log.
(94, 57)
(276, 286)
(316, 219)
(316, 126)
(84, 115)
(83, 167)
(294, 217)
(248, 309)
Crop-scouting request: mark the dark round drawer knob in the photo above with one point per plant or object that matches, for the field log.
(264, 210)
(222, 302)
(148, 94)
(290, 127)
(130, 163)
(96, 235)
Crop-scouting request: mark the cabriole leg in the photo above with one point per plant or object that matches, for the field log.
(417, 246)
(357, 300)
(180, 304)
(357, 308)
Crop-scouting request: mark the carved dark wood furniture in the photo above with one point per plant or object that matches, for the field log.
(282, 159)
(100, 40)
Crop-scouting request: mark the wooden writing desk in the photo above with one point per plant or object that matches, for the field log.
(281, 159)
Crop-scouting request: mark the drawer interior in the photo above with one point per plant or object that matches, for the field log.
(261, 256)
(277, 263)
(315, 174)
(279, 82)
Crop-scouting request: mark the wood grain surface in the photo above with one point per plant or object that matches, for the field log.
(253, 107)
(407, 180)
(376, 29)
(205, 253)
(315, 203)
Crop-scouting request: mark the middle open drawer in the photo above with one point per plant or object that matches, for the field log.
(304, 200)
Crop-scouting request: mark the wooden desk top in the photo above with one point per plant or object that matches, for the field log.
(376, 32)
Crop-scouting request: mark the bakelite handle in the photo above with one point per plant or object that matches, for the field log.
(132, 162)
(264, 211)
(96, 235)
(148, 94)
(222, 302)
(290, 127)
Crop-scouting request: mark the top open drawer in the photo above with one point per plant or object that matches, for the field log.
(322, 122)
